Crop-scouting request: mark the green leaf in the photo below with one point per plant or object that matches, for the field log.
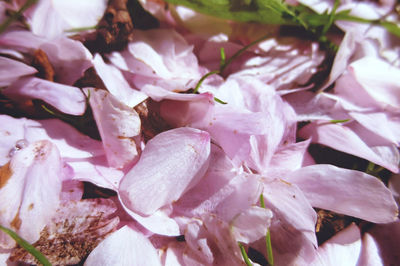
(25, 245)
(391, 27)
(262, 11)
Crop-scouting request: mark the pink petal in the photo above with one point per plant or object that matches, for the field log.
(343, 138)
(345, 191)
(116, 83)
(232, 130)
(171, 163)
(282, 63)
(293, 223)
(159, 222)
(378, 84)
(382, 123)
(221, 233)
(160, 57)
(30, 190)
(342, 249)
(370, 252)
(289, 157)
(387, 238)
(212, 242)
(310, 106)
(70, 142)
(197, 242)
(251, 224)
(119, 127)
(346, 50)
(67, 99)
(51, 18)
(69, 58)
(11, 70)
(21, 40)
(220, 191)
(192, 112)
(124, 247)
(97, 171)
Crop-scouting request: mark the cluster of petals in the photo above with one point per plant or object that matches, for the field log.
(191, 192)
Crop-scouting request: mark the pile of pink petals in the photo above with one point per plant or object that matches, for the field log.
(191, 193)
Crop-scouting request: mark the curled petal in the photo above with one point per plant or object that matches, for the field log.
(119, 127)
(67, 99)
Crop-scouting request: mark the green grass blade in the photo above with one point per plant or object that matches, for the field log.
(25, 245)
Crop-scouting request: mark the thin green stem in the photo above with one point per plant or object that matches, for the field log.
(219, 101)
(262, 203)
(225, 63)
(223, 57)
(244, 255)
(241, 51)
(16, 15)
(331, 17)
(270, 255)
(81, 29)
(196, 89)
(25, 245)
(339, 121)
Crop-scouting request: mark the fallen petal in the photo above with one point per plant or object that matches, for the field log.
(346, 191)
(124, 247)
(171, 163)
